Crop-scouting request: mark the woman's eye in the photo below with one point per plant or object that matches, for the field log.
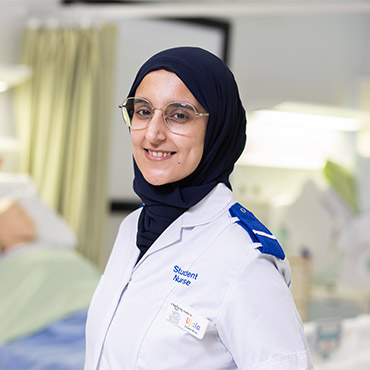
(143, 112)
(180, 116)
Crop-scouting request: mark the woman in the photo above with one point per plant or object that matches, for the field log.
(189, 285)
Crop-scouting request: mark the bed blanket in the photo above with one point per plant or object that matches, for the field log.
(40, 286)
(59, 346)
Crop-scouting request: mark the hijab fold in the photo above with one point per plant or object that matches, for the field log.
(213, 85)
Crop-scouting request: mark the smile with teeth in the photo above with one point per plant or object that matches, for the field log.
(159, 154)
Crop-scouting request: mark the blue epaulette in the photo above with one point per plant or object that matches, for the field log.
(258, 232)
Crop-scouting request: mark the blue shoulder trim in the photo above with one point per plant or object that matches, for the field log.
(257, 231)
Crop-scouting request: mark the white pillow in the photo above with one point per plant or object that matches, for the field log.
(52, 229)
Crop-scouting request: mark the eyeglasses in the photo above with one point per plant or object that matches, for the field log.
(179, 117)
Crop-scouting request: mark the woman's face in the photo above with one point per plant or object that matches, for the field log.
(162, 156)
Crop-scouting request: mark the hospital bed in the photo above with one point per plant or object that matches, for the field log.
(45, 289)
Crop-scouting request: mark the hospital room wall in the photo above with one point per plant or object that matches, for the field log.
(317, 58)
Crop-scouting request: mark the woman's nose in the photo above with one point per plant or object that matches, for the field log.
(156, 129)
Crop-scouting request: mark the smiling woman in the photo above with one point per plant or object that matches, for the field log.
(194, 279)
(163, 156)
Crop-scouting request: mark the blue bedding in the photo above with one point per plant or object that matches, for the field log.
(59, 346)
(45, 295)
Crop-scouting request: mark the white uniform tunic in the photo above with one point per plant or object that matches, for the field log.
(203, 298)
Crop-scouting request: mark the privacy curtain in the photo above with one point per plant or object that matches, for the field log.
(63, 124)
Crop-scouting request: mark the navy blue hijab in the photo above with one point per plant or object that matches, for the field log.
(214, 87)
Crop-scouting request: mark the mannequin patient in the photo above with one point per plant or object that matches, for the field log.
(16, 227)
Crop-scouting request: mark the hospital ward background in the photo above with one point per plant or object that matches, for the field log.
(66, 174)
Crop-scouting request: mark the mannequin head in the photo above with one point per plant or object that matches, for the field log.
(16, 227)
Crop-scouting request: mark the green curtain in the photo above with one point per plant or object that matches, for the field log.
(63, 124)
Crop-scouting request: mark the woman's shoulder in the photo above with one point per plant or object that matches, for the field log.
(259, 234)
(228, 220)
(239, 233)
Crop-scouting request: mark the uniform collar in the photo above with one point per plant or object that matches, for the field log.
(217, 201)
(214, 203)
